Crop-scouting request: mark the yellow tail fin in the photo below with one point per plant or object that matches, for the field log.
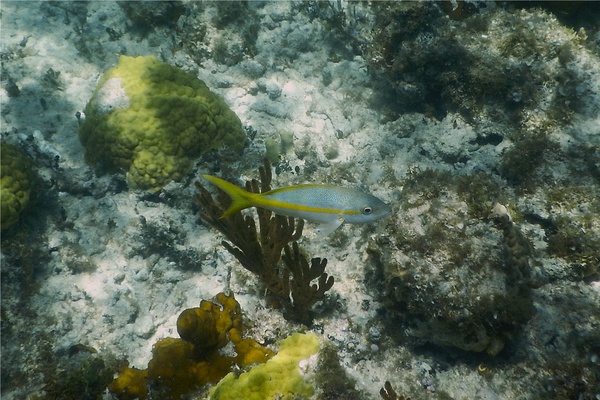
(240, 198)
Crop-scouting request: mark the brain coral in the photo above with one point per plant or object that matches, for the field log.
(15, 183)
(151, 120)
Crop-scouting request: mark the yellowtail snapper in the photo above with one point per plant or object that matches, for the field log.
(328, 205)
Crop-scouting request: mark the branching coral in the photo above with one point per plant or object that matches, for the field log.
(260, 251)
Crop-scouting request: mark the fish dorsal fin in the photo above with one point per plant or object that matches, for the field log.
(325, 229)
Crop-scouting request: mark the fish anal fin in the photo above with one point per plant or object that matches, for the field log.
(325, 229)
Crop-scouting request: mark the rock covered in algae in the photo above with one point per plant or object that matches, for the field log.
(449, 278)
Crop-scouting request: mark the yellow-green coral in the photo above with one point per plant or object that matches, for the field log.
(15, 184)
(151, 120)
(180, 366)
(279, 377)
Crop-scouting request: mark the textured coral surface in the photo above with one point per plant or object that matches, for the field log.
(152, 120)
(15, 184)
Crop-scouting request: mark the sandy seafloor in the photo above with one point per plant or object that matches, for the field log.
(89, 277)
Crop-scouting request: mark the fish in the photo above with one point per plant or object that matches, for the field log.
(328, 205)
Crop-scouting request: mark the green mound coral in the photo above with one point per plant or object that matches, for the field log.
(15, 184)
(279, 377)
(181, 366)
(150, 120)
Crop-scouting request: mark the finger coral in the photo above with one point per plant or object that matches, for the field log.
(150, 120)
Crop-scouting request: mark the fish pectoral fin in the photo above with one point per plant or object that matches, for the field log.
(327, 228)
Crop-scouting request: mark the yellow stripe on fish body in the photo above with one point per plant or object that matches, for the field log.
(326, 204)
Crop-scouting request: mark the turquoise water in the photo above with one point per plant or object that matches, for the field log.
(478, 123)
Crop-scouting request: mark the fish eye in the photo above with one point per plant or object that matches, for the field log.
(367, 210)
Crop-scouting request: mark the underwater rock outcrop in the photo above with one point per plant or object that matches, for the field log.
(79, 373)
(493, 64)
(450, 279)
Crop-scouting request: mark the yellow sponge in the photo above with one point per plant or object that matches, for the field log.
(277, 378)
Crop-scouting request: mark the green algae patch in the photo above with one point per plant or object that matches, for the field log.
(280, 377)
(151, 120)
